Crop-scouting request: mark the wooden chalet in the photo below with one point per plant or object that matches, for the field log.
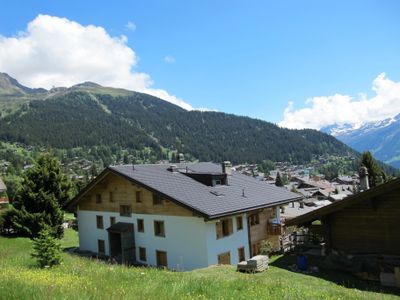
(364, 223)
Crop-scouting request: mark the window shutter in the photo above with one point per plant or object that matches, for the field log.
(230, 226)
(218, 227)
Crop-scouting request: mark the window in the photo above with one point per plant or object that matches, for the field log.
(138, 197)
(159, 229)
(111, 196)
(254, 219)
(157, 200)
(224, 228)
(142, 254)
(239, 223)
(224, 258)
(98, 198)
(255, 249)
(101, 247)
(125, 210)
(161, 257)
(112, 221)
(140, 225)
(99, 222)
(241, 255)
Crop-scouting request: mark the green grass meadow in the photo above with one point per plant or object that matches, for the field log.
(82, 278)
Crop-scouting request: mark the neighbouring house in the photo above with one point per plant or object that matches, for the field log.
(183, 216)
(366, 223)
(3, 198)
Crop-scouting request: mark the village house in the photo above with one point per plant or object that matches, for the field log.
(365, 223)
(183, 216)
(3, 198)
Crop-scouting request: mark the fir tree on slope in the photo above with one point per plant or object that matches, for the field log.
(376, 175)
(38, 204)
(278, 180)
(46, 249)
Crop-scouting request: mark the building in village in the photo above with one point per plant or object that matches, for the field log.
(3, 198)
(366, 223)
(183, 216)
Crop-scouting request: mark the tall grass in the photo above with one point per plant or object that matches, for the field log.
(80, 278)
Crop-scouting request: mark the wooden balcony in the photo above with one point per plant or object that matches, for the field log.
(274, 229)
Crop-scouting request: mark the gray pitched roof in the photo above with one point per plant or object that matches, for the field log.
(211, 202)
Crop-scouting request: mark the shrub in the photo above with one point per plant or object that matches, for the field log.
(46, 249)
(265, 247)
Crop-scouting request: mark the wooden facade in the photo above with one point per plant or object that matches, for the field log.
(115, 191)
(371, 226)
(365, 223)
(260, 232)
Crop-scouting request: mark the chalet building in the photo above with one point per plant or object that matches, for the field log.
(3, 198)
(364, 223)
(183, 216)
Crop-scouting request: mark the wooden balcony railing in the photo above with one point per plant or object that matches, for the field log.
(274, 229)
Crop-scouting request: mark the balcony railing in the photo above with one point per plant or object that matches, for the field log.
(274, 229)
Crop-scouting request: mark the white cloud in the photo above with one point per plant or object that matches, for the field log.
(343, 109)
(55, 51)
(130, 26)
(169, 59)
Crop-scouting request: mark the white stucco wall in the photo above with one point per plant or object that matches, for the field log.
(190, 242)
(230, 243)
(184, 241)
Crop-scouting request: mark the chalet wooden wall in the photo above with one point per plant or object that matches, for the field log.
(370, 226)
(124, 193)
(259, 232)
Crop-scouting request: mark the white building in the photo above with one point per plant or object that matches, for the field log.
(183, 216)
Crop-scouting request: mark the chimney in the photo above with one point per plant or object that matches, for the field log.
(181, 158)
(364, 183)
(173, 168)
(227, 168)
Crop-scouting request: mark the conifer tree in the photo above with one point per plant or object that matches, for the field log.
(38, 204)
(375, 174)
(46, 249)
(278, 180)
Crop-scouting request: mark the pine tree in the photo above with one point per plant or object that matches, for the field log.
(278, 181)
(45, 189)
(46, 249)
(375, 173)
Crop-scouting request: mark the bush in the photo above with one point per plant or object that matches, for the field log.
(46, 249)
(266, 247)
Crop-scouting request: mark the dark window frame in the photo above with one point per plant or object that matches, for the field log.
(239, 223)
(140, 225)
(125, 210)
(138, 196)
(99, 222)
(157, 200)
(142, 254)
(159, 228)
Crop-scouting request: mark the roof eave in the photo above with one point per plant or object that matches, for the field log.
(235, 212)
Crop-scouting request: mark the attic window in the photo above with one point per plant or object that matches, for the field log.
(157, 200)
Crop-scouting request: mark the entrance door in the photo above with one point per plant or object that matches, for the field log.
(115, 246)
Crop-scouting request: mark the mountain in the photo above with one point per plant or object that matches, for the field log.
(382, 138)
(11, 87)
(90, 115)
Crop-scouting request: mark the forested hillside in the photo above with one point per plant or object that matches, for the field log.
(89, 115)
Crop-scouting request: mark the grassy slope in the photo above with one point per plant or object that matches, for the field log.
(81, 278)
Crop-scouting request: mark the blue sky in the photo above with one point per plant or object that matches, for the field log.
(243, 57)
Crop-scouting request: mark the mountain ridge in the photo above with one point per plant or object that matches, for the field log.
(88, 114)
(382, 138)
